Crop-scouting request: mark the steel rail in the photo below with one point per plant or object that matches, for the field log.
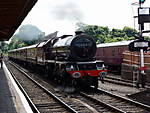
(31, 104)
(126, 82)
(146, 107)
(47, 91)
(115, 109)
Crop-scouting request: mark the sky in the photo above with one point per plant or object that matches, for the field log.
(62, 15)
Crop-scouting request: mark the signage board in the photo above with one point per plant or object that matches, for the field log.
(143, 15)
(139, 44)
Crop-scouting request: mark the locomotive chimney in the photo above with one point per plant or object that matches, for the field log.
(78, 32)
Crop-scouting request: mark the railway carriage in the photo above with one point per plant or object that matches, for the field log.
(67, 59)
(112, 54)
(118, 58)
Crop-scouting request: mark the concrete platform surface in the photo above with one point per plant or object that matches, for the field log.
(6, 101)
(12, 99)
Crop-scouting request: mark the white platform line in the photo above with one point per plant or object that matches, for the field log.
(21, 103)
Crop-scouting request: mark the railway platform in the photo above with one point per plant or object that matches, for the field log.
(11, 98)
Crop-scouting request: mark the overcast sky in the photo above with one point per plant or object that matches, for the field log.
(62, 15)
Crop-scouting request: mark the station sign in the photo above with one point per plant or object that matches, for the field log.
(139, 44)
(143, 15)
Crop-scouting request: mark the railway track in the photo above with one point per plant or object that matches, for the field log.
(120, 81)
(118, 86)
(79, 102)
(124, 105)
(42, 102)
(76, 102)
(40, 98)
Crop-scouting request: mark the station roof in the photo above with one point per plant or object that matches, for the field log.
(12, 13)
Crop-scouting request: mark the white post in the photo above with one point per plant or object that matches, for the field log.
(142, 59)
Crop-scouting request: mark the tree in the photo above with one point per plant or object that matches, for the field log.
(4, 47)
(103, 35)
(14, 43)
(117, 33)
(99, 33)
(130, 32)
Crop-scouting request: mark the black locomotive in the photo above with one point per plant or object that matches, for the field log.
(67, 59)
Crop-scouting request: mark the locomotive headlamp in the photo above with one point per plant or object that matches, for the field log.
(76, 75)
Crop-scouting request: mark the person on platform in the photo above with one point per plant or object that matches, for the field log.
(1, 60)
(103, 74)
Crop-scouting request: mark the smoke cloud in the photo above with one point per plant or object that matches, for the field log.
(29, 32)
(69, 11)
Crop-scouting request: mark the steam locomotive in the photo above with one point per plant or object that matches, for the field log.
(68, 59)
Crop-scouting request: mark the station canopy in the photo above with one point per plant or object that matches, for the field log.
(12, 13)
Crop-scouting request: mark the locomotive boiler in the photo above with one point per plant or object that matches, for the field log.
(67, 59)
(79, 48)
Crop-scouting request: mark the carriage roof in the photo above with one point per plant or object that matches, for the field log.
(121, 43)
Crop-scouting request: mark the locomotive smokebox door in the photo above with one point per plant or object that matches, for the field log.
(83, 47)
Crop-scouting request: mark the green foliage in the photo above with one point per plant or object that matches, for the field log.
(4, 47)
(14, 43)
(104, 35)
(147, 38)
(18, 43)
(129, 31)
